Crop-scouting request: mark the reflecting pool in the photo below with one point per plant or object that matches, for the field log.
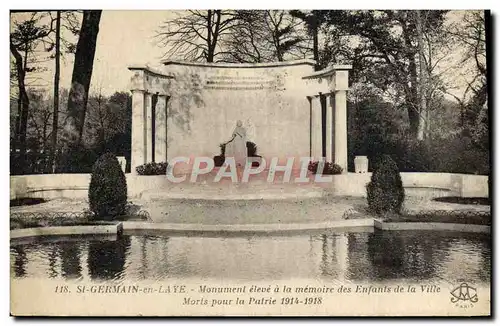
(347, 257)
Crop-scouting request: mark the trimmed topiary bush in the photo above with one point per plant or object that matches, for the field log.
(152, 168)
(328, 169)
(108, 188)
(385, 191)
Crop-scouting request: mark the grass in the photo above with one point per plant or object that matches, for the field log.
(23, 221)
(28, 221)
(26, 201)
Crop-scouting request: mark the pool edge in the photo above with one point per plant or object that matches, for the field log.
(342, 225)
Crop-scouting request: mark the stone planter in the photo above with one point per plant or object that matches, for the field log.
(123, 162)
(361, 164)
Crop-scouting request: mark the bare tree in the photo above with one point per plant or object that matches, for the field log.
(470, 33)
(246, 42)
(197, 35)
(23, 41)
(283, 33)
(35, 33)
(264, 36)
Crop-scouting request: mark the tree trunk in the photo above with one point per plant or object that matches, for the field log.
(422, 82)
(17, 129)
(412, 96)
(55, 116)
(82, 75)
(24, 105)
(216, 34)
(210, 55)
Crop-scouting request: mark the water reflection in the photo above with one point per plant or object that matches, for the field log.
(106, 259)
(53, 256)
(19, 261)
(70, 254)
(392, 256)
(376, 256)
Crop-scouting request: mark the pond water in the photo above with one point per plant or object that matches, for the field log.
(351, 257)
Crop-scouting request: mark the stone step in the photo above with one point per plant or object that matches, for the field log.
(249, 185)
(150, 196)
(233, 193)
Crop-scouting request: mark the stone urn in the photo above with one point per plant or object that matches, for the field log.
(123, 162)
(361, 164)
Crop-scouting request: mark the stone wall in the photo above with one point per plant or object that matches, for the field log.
(207, 100)
(76, 185)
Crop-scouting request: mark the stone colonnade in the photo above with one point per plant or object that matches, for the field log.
(333, 146)
(147, 147)
(149, 116)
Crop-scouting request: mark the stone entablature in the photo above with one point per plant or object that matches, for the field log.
(150, 80)
(331, 79)
(302, 62)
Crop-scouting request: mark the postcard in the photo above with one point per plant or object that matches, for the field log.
(250, 163)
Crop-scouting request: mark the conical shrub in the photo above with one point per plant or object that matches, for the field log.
(108, 188)
(385, 191)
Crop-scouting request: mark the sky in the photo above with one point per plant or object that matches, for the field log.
(126, 37)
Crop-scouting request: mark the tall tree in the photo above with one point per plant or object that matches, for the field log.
(23, 41)
(23, 106)
(33, 34)
(386, 52)
(423, 112)
(470, 33)
(55, 115)
(313, 20)
(82, 75)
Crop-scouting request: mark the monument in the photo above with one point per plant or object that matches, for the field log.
(186, 109)
(236, 147)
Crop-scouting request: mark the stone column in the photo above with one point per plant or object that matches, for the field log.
(341, 86)
(316, 151)
(329, 129)
(161, 129)
(137, 141)
(148, 127)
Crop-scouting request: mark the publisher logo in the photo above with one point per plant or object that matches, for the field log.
(464, 294)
